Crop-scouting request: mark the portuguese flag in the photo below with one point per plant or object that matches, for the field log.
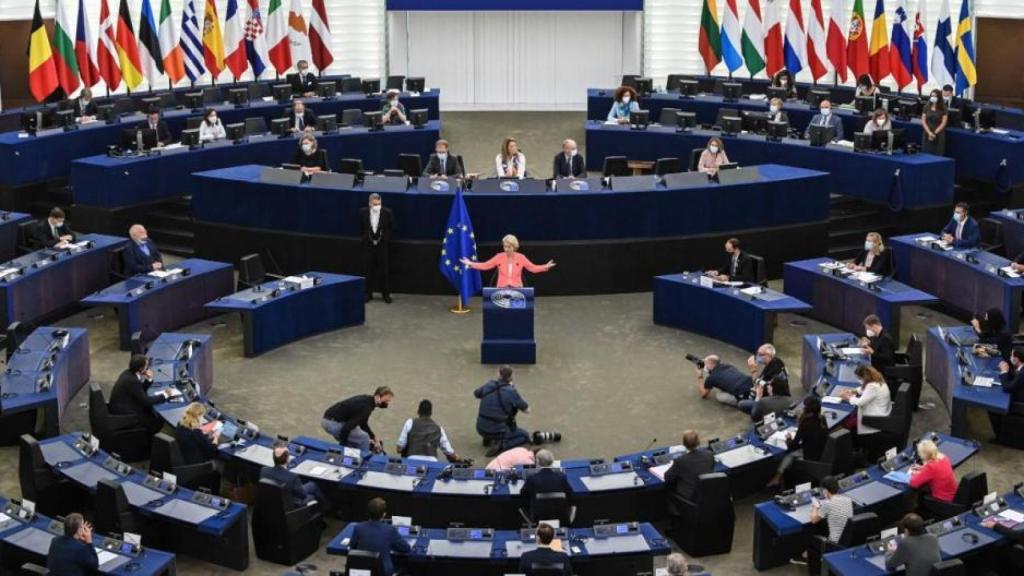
(42, 73)
(710, 40)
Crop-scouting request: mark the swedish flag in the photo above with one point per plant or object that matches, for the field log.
(459, 242)
(966, 73)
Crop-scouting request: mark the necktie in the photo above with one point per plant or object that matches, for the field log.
(53, 229)
(959, 229)
(442, 166)
(733, 266)
(298, 121)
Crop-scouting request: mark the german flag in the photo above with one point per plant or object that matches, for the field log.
(42, 73)
(128, 48)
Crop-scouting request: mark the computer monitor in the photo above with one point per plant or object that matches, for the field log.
(65, 119)
(907, 109)
(373, 120)
(150, 103)
(820, 135)
(212, 95)
(731, 91)
(294, 81)
(673, 80)
(351, 85)
(281, 92)
(732, 125)
(880, 139)
(239, 97)
(371, 86)
(280, 126)
(131, 137)
(639, 119)
(862, 141)
(66, 104)
(685, 121)
(688, 88)
(327, 89)
(644, 86)
(107, 113)
(235, 132)
(30, 121)
(327, 123)
(190, 138)
(777, 130)
(194, 100)
(986, 118)
(814, 97)
(864, 104)
(415, 84)
(954, 118)
(418, 117)
(755, 122)
(778, 92)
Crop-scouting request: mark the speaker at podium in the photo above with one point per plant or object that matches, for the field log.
(508, 327)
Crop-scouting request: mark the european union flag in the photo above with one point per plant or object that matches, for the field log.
(458, 243)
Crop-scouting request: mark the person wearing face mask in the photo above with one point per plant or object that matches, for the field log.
(872, 398)
(625, 103)
(934, 119)
(300, 117)
(962, 104)
(879, 121)
(712, 157)
(211, 128)
(962, 231)
(865, 87)
(377, 222)
(52, 232)
(738, 268)
(767, 370)
(1011, 376)
(393, 110)
(783, 79)
(308, 157)
(569, 163)
(993, 337)
(510, 162)
(875, 258)
(442, 164)
(348, 421)
(305, 80)
(85, 106)
(775, 111)
(730, 384)
(878, 343)
(825, 117)
(142, 256)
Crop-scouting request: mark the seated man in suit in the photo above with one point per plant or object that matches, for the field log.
(738, 268)
(771, 398)
(157, 125)
(545, 554)
(545, 480)
(1011, 376)
(878, 343)
(442, 164)
(52, 232)
(962, 231)
(730, 384)
(374, 535)
(306, 85)
(681, 477)
(141, 256)
(73, 554)
(569, 164)
(825, 117)
(130, 397)
(300, 118)
(85, 106)
(299, 493)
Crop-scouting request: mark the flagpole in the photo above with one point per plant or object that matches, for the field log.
(459, 308)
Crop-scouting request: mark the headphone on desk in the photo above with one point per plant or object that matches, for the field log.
(969, 537)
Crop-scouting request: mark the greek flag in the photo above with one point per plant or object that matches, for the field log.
(191, 42)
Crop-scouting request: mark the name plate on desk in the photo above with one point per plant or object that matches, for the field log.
(468, 487)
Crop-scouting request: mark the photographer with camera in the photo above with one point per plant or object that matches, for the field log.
(729, 383)
(500, 402)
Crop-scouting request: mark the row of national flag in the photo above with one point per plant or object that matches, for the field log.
(200, 45)
(900, 51)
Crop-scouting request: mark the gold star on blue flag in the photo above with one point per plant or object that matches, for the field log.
(459, 242)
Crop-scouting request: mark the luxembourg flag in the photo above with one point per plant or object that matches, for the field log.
(796, 39)
(731, 37)
(943, 58)
(816, 41)
(899, 51)
(919, 54)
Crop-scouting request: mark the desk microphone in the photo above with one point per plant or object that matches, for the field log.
(649, 446)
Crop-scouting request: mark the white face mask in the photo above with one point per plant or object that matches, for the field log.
(783, 82)
(713, 149)
(307, 147)
(933, 99)
(880, 121)
(826, 111)
(392, 103)
(626, 98)
(375, 209)
(571, 153)
(957, 217)
(773, 108)
(869, 245)
(870, 333)
(442, 155)
(213, 119)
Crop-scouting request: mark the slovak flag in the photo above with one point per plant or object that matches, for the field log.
(919, 53)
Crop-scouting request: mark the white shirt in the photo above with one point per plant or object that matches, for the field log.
(209, 132)
(403, 438)
(960, 228)
(519, 160)
(374, 219)
(874, 400)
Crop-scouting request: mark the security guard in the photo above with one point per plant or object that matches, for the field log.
(496, 420)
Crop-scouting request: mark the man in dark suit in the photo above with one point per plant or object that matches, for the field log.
(51, 232)
(544, 555)
(545, 480)
(141, 256)
(825, 117)
(681, 477)
(85, 106)
(299, 493)
(305, 80)
(1011, 377)
(374, 535)
(299, 117)
(129, 396)
(569, 164)
(442, 164)
(962, 104)
(962, 231)
(73, 553)
(739, 267)
(377, 223)
(878, 343)
(158, 126)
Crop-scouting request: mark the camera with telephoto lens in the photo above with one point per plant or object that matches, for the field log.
(540, 437)
(699, 362)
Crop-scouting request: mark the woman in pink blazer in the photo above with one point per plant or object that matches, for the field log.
(510, 264)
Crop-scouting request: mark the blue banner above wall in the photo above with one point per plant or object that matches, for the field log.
(519, 5)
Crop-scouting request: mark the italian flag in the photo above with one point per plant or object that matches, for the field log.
(64, 58)
(279, 48)
(752, 40)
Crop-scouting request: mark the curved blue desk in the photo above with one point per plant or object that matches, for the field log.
(9, 222)
(1013, 231)
(900, 180)
(721, 312)
(949, 359)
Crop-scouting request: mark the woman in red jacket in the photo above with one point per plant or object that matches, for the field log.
(510, 264)
(936, 472)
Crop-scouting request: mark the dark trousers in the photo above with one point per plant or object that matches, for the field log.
(1016, 408)
(377, 269)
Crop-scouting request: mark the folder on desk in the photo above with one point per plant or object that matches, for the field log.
(898, 476)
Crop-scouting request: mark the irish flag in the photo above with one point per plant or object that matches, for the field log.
(279, 48)
(64, 58)
(752, 39)
(170, 45)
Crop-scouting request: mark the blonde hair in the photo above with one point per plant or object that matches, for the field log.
(193, 416)
(777, 102)
(718, 141)
(511, 241)
(928, 451)
(308, 137)
(877, 239)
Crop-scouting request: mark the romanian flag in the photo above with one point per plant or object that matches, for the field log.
(878, 62)
(213, 41)
(128, 48)
(710, 43)
(857, 41)
(966, 73)
(42, 74)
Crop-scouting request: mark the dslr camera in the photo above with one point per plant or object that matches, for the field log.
(698, 362)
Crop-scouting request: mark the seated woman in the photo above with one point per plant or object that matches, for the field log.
(625, 102)
(871, 399)
(993, 339)
(865, 87)
(510, 162)
(196, 446)
(875, 258)
(783, 79)
(809, 441)
(775, 111)
(308, 157)
(712, 157)
(211, 127)
(879, 121)
(935, 472)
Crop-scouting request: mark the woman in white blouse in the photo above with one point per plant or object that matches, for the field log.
(510, 163)
(211, 128)
(871, 399)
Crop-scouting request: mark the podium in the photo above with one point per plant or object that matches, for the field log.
(508, 327)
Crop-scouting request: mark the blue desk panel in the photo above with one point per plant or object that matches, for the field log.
(721, 312)
(174, 352)
(844, 303)
(9, 222)
(1013, 231)
(270, 321)
(899, 180)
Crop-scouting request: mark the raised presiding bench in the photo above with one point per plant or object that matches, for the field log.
(743, 316)
(49, 282)
(25, 536)
(605, 550)
(844, 300)
(45, 372)
(282, 311)
(164, 300)
(961, 379)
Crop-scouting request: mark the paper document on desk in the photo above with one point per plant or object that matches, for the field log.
(172, 392)
(844, 143)
(302, 282)
(852, 351)
(831, 400)
(659, 471)
(778, 438)
(831, 265)
(1012, 515)
(983, 382)
(174, 146)
(926, 239)
(104, 556)
(729, 284)
(999, 131)
(752, 291)
(610, 123)
(866, 277)
(898, 477)
(1009, 271)
(7, 272)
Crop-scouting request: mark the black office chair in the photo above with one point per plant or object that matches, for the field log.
(120, 434)
(546, 569)
(723, 112)
(667, 116)
(760, 269)
(836, 459)
(395, 83)
(858, 529)
(704, 526)
(364, 560)
(53, 495)
(951, 567)
(395, 172)
(551, 506)
(282, 534)
(894, 429)
(616, 166)
(118, 265)
(909, 368)
(258, 90)
(992, 236)
(193, 123)
(251, 271)
(667, 166)
(124, 106)
(351, 166)
(695, 158)
(630, 80)
(973, 487)
(114, 514)
(165, 456)
(138, 345)
(256, 126)
(26, 230)
(16, 334)
(352, 117)
(1012, 433)
(411, 165)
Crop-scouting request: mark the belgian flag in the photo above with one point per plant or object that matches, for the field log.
(42, 72)
(128, 48)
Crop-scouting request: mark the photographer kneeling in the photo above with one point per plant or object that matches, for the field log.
(729, 383)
